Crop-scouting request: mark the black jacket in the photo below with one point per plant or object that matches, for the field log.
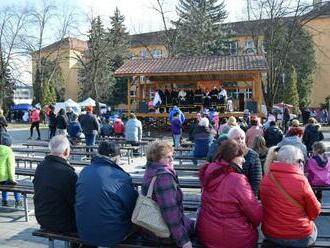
(312, 134)
(62, 122)
(54, 194)
(273, 135)
(89, 124)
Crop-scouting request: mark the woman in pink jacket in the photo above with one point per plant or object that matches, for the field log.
(254, 131)
(35, 120)
(230, 212)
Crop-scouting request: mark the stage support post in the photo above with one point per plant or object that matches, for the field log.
(129, 85)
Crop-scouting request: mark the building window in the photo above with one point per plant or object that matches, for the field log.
(250, 47)
(143, 54)
(248, 93)
(233, 93)
(156, 53)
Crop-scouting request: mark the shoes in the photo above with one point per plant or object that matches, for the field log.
(38, 138)
(29, 138)
(5, 203)
(18, 204)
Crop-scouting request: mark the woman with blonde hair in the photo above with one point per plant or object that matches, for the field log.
(166, 192)
(289, 204)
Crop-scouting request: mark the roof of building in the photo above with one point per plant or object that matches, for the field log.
(69, 42)
(191, 65)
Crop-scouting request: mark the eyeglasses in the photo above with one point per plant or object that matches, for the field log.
(301, 162)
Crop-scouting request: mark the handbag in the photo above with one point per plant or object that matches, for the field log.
(147, 214)
(286, 194)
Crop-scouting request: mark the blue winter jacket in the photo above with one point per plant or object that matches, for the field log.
(173, 111)
(105, 199)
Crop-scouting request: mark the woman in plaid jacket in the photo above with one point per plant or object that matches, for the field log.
(167, 192)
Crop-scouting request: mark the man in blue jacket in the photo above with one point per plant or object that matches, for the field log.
(105, 199)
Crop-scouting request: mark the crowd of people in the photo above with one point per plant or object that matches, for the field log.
(247, 161)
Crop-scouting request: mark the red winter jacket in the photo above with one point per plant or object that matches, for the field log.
(230, 212)
(282, 219)
(118, 127)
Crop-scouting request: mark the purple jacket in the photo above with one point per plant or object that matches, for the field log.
(318, 169)
(169, 196)
(176, 126)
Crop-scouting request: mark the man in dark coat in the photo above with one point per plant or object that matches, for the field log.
(273, 134)
(54, 189)
(90, 126)
(105, 199)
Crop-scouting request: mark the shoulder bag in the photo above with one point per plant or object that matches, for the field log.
(286, 194)
(147, 214)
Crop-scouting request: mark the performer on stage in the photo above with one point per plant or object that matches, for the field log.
(168, 96)
(162, 96)
(198, 95)
(182, 96)
(214, 95)
(222, 96)
(175, 97)
(207, 99)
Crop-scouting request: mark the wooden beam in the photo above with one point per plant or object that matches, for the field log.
(129, 85)
(258, 90)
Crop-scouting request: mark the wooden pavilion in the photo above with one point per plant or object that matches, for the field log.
(240, 75)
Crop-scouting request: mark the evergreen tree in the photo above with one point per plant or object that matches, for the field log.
(292, 96)
(95, 77)
(7, 86)
(199, 29)
(119, 42)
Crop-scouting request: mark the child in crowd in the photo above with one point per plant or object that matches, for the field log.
(318, 166)
(176, 126)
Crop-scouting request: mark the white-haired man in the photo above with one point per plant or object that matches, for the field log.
(54, 186)
(252, 165)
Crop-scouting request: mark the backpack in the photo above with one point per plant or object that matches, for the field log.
(5, 138)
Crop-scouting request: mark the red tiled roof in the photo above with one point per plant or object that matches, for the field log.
(192, 65)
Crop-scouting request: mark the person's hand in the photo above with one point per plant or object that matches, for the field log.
(187, 245)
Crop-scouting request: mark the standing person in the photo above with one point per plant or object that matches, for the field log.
(286, 119)
(289, 204)
(7, 173)
(54, 188)
(230, 212)
(273, 134)
(202, 138)
(324, 116)
(35, 120)
(3, 121)
(110, 190)
(312, 134)
(173, 111)
(69, 114)
(166, 192)
(254, 131)
(222, 96)
(259, 146)
(61, 123)
(252, 165)
(176, 127)
(294, 137)
(90, 126)
(51, 121)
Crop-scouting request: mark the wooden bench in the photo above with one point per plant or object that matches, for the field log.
(24, 190)
(189, 158)
(36, 160)
(138, 241)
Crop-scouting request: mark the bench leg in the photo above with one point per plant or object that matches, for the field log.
(26, 207)
(129, 156)
(51, 243)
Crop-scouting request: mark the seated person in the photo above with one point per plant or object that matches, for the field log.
(7, 173)
(106, 128)
(202, 138)
(74, 128)
(118, 127)
(54, 188)
(289, 204)
(105, 199)
(230, 212)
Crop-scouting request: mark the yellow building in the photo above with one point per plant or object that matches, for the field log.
(149, 45)
(66, 53)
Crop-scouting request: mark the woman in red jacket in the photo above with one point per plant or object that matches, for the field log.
(289, 204)
(230, 212)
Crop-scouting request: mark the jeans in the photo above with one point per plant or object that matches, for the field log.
(5, 194)
(36, 125)
(305, 242)
(90, 141)
(52, 132)
(176, 138)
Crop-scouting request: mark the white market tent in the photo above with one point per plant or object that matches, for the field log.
(68, 103)
(90, 102)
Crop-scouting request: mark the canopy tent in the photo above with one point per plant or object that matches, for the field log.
(21, 107)
(90, 102)
(71, 103)
(68, 103)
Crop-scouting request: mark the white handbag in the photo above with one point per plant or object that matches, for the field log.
(147, 214)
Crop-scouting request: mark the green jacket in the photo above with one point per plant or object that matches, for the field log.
(7, 164)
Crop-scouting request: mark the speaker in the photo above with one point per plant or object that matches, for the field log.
(252, 106)
(143, 107)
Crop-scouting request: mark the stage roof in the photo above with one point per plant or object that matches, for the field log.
(192, 66)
